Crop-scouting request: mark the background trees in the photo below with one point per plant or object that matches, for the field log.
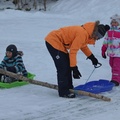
(26, 4)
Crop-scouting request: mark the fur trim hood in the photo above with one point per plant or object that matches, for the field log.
(91, 28)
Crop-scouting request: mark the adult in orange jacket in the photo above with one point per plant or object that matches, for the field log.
(63, 45)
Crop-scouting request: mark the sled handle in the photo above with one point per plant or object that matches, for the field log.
(98, 65)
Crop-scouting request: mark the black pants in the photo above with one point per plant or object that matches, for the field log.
(62, 64)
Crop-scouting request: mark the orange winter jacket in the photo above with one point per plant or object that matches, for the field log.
(71, 39)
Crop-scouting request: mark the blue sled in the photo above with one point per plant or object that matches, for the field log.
(96, 86)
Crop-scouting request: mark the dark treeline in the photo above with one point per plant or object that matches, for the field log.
(28, 4)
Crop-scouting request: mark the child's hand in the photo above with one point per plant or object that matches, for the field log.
(104, 55)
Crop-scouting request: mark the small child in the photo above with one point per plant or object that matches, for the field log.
(12, 62)
(111, 44)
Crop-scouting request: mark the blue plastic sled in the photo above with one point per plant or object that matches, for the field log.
(96, 86)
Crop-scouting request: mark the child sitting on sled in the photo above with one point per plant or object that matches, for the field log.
(12, 62)
(111, 45)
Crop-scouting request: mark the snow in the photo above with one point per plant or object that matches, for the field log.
(27, 31)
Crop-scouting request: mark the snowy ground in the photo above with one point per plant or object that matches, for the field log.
(27, 31)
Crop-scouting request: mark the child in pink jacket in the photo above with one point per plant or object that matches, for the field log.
(111, 45)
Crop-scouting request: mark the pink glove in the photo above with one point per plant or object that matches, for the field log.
(104, 48)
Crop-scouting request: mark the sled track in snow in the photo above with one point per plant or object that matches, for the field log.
(80, 108)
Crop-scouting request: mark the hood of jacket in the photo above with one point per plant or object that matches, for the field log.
(91, 28)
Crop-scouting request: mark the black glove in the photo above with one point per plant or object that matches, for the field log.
(76, 73)
(11, 69)
(93, 59)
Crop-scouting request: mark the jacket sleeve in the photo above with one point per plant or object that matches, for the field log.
(103, 49)
(20, 66)
(105, 45)
(86, 50)
(3, 64)
(79, 43)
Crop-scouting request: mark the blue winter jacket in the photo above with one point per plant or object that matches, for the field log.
(14, 64)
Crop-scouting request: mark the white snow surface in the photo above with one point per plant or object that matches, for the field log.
(27, 31)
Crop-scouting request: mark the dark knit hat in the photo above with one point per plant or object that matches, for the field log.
(12, 48)
(102, 29)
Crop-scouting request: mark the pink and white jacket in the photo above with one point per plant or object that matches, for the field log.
(111, 43)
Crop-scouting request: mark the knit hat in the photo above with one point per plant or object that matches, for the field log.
(12, 48)
(102, 29)
(116, 18)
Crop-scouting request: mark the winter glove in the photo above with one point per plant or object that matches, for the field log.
(76, 73)
(93, 59)
(103, 49)
(104, 56)
(11, 69)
